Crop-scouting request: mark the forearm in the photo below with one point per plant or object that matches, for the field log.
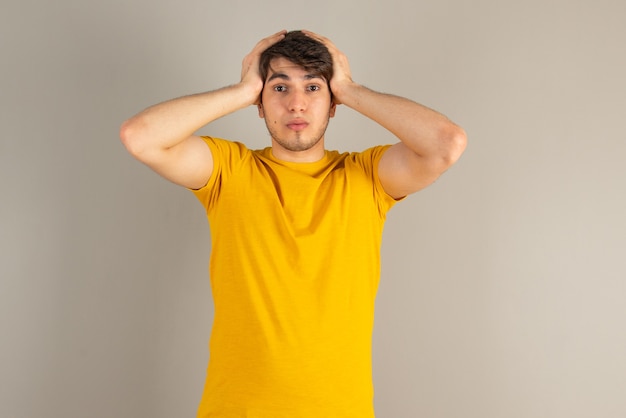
(166, 124)
(423, 130)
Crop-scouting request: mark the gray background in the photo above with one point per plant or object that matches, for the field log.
(503, 285)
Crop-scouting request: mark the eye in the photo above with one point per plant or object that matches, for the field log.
(314, 88)
(280, 88)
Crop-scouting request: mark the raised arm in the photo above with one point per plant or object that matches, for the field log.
(162, 136)
(429, 142)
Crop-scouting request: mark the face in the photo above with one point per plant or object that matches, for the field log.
(296, 106)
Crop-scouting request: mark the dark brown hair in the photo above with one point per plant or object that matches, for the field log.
(302, 50)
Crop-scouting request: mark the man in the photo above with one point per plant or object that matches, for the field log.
(295, 229)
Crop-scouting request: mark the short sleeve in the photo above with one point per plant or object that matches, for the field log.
(227, 156)
(368, 161)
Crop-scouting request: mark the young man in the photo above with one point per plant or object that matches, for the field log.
(295, 229)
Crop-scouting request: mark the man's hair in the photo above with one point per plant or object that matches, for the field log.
(302, 50)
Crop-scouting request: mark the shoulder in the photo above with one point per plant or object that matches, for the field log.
(365, 163)
(369, 158)
(224, 146)
(226, 155)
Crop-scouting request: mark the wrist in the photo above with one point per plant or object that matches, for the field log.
(345, 92)
(250, 90)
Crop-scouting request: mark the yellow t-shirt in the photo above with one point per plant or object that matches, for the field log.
(295, 265)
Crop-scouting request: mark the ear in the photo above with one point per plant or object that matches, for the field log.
(333, 108)
(260, 107)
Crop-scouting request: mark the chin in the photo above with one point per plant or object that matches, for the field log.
(298, 146)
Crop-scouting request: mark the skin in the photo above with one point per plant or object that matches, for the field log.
(162, 136)
(296, 114)
(429, 142)
(296, 106)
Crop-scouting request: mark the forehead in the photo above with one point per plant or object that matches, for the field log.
(282, 68)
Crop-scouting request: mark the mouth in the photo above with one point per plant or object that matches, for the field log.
(297, 125)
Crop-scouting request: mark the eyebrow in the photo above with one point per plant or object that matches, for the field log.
(284, 76)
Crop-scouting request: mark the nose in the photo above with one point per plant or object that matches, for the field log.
(297, 101)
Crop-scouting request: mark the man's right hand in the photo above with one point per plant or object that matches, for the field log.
(163, 136)
(250, 75)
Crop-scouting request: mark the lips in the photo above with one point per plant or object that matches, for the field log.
(297, 124)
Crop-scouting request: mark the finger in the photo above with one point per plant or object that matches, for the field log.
(265, 43)
(261, 46)
(276, 37)
(318, 38)
(315, 36)
(332, 48)
(312, 34)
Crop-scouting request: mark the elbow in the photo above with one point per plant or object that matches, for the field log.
(130, 135)
(454, 141)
